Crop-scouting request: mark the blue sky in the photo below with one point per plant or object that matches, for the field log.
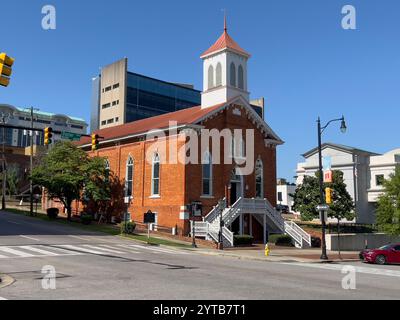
(302, 62)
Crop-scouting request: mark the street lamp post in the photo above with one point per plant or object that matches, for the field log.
(322, 206)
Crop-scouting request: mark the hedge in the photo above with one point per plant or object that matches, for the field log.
(242, 240)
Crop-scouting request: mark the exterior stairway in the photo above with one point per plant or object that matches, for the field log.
(210, 226)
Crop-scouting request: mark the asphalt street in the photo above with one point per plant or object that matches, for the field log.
(97, 266)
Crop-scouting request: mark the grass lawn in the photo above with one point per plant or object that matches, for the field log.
(103, 228)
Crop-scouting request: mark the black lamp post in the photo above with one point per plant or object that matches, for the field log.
(322, 205)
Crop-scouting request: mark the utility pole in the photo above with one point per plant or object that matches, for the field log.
(31, 164)
(4, 166)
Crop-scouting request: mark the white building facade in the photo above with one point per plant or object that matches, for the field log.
(284, 192)
(22, 118)
(363, 173)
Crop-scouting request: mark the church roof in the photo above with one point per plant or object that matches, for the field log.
(190, 116)
(225, 41)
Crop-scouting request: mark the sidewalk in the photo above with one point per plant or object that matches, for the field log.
(283, 254)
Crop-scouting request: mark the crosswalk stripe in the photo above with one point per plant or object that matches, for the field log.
(80, 249)
(366, 270)
(103, 249)
(16, 252)
(34, 249)
(162, 250)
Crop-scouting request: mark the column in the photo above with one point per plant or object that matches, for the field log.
(251, 224)
(241, 224)
(265, 228)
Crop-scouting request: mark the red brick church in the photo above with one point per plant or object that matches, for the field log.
(171, 189)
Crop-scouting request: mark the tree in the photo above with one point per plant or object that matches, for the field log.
(13, 178)
(65, 171)
(388, 210)
(307, 197)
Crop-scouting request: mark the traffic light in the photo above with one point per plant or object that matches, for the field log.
(48, 134)
(95, 142)
(5, 69)
(328, 195)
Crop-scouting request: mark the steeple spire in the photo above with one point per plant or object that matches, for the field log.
(225, 24)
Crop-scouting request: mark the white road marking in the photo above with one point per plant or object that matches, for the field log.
(80, 238)
(162, 250)
(13, 222)
(30, 238)
(34, 249)
(102, 249)
(67, 246)
(339, 267)
(16, 252)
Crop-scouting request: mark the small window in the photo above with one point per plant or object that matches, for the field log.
(116, 119)
(379, 179)
(218, 75)
(233, 75)
(115, 86)
(259, 172)
(129, 177)
(114, 103)
(103, 123)
(210, 77)
(108, 88)
(110, 121)
(240, 78)
(207, 174)
(155, 177)
(105, 106)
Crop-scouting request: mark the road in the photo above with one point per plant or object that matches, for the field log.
(98, 266)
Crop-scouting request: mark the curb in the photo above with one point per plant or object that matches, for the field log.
(6, 280)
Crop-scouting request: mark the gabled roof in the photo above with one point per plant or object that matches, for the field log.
(339, 147)
(225, 42)
(190, 116)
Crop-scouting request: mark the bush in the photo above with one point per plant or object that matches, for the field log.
(86, 219)
(315, 242)
(128, 227)
(280, 240)
(52, 213)
(242, 240)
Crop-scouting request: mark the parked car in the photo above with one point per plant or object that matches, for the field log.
(388, 254)
(282, 208)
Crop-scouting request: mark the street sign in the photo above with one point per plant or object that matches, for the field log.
(70, 136)
(327, 163)
(196, 209)
(328, 176)
(149, 217)
(322, 207)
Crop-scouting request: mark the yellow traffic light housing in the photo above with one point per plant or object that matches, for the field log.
(95, 142)
(328, 195)
(6, 63)
(48, 134)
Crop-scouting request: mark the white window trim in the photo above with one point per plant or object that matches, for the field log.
(155, 195)
(130, 158)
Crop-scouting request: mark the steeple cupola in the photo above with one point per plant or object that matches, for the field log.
(224, 71)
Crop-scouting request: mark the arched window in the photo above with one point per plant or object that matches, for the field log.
(129, 177)
(107, 172)
(155, 176)
(207, 174)
(233, 75)
(210, 77)
(259, 172)
(240, 78)
(219, 75)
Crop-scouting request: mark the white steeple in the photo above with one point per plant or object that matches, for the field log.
(224, 71)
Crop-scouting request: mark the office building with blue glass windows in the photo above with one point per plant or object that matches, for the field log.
(120, 96)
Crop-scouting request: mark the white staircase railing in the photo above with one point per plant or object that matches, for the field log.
(297, 233)
(210, 227)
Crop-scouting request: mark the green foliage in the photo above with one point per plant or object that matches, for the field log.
(66, 170)
(280, 239)
(242, 240)
(307, 197)
(128, 227)
(388, 211)
(13, 178)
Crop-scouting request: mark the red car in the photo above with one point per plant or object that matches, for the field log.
(388, 254)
